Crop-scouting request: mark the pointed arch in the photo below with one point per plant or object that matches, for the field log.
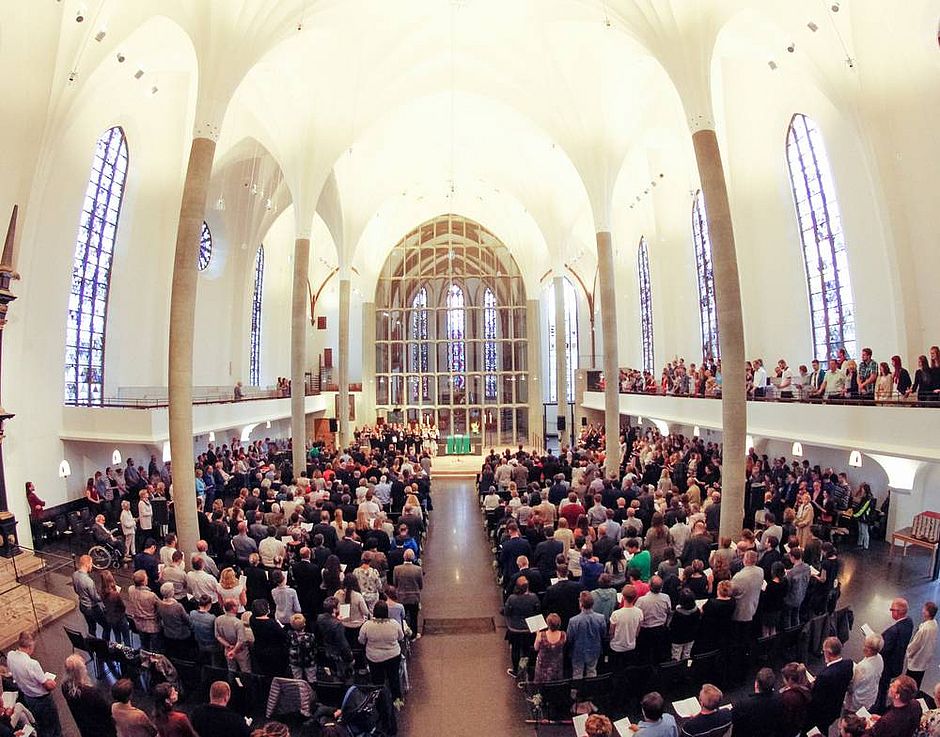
(831, 304)
(87, 318)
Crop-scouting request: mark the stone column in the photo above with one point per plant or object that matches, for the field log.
(731, 329)
(561, 363)
(611, 363)
(343, 363)
(182, 327)
(367, 405)
(534, 371)
(298, 352)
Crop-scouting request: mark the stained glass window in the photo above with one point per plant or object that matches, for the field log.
(205, 247)
(254, 364)
(646, 305)
(707, 304)
(489, 347)
(456, 322)
(419, 345)
(571, 339)
(91, 271)
(832, 306)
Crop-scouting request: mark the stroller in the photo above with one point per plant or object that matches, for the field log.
(367, 711)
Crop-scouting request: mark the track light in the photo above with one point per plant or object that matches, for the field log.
(772, 64)
(812, 26)
(80, 15)
(99, 37)
(120, 57)
(138, 74)
(792, 47)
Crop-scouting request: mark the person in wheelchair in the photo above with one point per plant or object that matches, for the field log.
(103, 536)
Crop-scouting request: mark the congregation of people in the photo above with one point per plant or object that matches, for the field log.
(841, 378)
(311, 576)
(629, 574)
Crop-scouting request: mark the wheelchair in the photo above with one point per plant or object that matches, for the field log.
(104, 556)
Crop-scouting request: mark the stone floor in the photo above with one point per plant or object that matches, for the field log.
(459, 682)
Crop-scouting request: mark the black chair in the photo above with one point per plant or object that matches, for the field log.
(101, 652)
(77, 640)
(192, 687)
(766, 649)
(705, 668)
(627, 687)
(789, 643)
(597, 690)
(671, 677)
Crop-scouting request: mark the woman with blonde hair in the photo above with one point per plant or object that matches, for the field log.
(90, 710)
(338, 523)
(362, 521)
(229, 587)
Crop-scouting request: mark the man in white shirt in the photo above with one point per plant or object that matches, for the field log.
(863, 690)
(199, 581)
(746, 587)
(760, 379)
(785, 375)
(834, 380)
(271, 549)
(35, 685)
(921, 648)
(624, 626)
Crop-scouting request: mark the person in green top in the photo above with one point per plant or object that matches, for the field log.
(639, 559)
(863, 514)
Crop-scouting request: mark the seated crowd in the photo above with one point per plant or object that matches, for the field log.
(632, 579)
(315, 577)
(840, 379)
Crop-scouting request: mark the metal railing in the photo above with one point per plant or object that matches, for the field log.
(159, 402)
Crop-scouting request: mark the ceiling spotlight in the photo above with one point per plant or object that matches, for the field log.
(99, 37)
(120, 57)
(154, 90)
(812, 26)
(138, 74)
(80, 15)
(772, 64)
(792, 47)
(72, 76)
(834, 7)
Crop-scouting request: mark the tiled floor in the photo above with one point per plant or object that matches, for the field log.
(459, 682)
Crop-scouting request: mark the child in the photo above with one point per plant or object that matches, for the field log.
(301, 649)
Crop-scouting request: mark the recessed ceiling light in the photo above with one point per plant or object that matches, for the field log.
(812, 26)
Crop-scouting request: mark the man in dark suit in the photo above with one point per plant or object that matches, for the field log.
(306, 578)
(896, 638)
(830, 686)
(760, 714)
(545, 554)
(324, 528)
(530, 574)
(349, 550)
(215, 719)
(511, 549)
(814, 381)
(562, 598)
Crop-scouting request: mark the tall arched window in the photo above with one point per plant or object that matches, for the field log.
(490, 365)
(571, 339)
(456, 326)
(254, 363)
(646, 305)
(707, 304)
(420, 348)
(91, 271)
(205, 247)
(832, 307)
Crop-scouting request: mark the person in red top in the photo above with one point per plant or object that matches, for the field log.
(571, 510)
(36, 510)
(170, 723)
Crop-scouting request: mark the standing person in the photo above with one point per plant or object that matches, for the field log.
(145, 515)
(35, 685)
(129, 529)
(169, 721)
(520, 605)
(230, 634)
(301, 649)
(409, 580)
(142, 609)
(586, 633)
(903, 715)
(795, 695)
(382, 638)
(797, 586)
(896, 638)
(866, 674)
(286, 603)
(804, 519)
(830, 686)
(761, 713)
(624, 626)
(128, 719)
(89, 600)
(746, 588)
(923, 644)
(202, 622)
(115, 613)
(550, 651)
(92, 714)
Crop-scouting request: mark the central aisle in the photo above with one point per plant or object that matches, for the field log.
(459, 685)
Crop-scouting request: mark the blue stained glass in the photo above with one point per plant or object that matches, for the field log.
(86, 318)
(832, 307)
(705, 276)
(490, 361)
